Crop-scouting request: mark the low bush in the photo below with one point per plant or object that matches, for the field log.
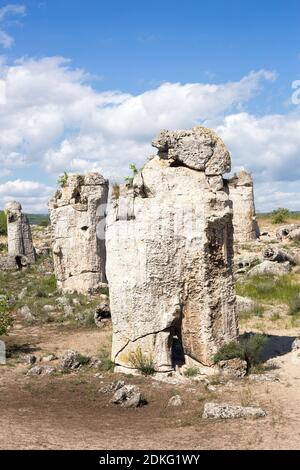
(191, 372)
(3, 223)
(6, 319)
(280, 215)
(140, 361)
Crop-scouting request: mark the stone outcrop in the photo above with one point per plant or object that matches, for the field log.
(242, 197)
(77, 213)
(169, 245)
(19, 238)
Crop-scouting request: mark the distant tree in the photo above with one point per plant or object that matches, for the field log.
(3, 223)
(280, 215)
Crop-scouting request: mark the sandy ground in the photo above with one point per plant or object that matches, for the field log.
(69, 412)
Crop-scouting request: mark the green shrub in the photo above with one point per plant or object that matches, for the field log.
(248, 349)
(3, 223)
(280, 215)
(230, 350)
(141, 362)
(5, 317)
(63, 179)
(191, 372)
(129, 179)
(107, 364)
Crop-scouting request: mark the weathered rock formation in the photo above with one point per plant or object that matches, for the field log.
(169, 246)
(77, 213)
(19, 239)
(242, 197)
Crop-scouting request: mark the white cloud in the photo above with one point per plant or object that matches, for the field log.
(55, 120)
(32, 195)
(9, 10)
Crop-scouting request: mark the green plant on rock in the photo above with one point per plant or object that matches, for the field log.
(191, 372)
(63, 179)
(6, 319)
(280, 215)
(129, 179)
(142, 362)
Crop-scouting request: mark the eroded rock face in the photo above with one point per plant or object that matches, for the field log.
(77, 213)
(20, 246)
(169, 258)
(242, 197)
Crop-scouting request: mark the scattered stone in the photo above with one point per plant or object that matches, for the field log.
(288, 231)
(41, 370)
(224, 411)
(102, 314)
(271, 268)
(129, 396)
(49, 308)
(77, 213)
(26, 313)
(236, 368)
(23, 293)
(242, 197)
(263, 378)
(112, 387)
(176, 400)
(296, 344)
(70, 360)
(170, 252)
(278, 255)
(31, 359)
(246, 261)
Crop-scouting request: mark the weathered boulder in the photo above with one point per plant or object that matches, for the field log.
(77, 213)
(224, 411)
(175, 401)
(19, 238)
(242, 196)
(270, 268)
(170, 253)
(291, 231)
(235, 368)
(129, 396)
(278, 255)
(41, 370)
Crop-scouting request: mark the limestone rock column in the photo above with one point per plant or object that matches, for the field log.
(77, 213)
(169, 246)
(19, 236)
(242, 196)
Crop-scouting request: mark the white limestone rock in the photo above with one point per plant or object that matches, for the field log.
(19, 238)
(77, 213)
(242, 197)
(169, 262)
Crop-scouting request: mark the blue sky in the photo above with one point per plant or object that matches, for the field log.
(89, 84)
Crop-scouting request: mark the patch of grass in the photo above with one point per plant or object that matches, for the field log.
(275, 316)
(83, 360)
(246, 397)
(256, 311)
(294, 305)
(269, 289)
(107, 364)
(191, 372)
(142, 362)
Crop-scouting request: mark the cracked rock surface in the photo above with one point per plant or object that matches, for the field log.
(169, 245)
(77, 212)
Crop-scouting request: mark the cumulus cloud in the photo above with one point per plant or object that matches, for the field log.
(9, 10)
(32, 195)
(54, 120)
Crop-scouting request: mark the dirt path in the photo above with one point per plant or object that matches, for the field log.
(68, 412)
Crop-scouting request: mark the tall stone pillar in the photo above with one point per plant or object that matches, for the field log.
(169, 256)
(242, 196)
(19, 237)
(77, 213)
